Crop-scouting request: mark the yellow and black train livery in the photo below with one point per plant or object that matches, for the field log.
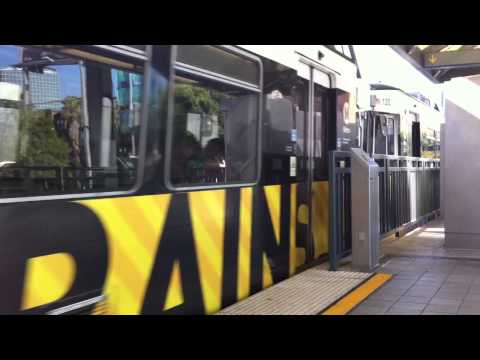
(141, 179)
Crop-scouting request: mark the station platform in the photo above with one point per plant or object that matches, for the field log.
(427, 278)
(418, 275)
(311, 292)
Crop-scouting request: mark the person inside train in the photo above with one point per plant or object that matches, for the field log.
(214, 154)
(187, 164)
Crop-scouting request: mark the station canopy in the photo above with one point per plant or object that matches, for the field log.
(443, 62)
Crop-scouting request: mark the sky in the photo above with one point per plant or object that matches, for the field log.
(69, 75)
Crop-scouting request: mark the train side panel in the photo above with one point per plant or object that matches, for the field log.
(186, 253)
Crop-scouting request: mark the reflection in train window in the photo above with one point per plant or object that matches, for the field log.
(368, 133)
(219, 61)
(406, 134)
(214, 133)
(429, 142)
(66, 126)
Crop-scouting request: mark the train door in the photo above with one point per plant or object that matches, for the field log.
(312, 195)
(295, 153)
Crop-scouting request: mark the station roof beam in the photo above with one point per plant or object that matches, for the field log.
(443, 62)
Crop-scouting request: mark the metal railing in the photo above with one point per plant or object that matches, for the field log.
(340, 193)
(46, 179)
(409, 190)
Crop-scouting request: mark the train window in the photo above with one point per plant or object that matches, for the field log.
(398, 135)
(380, 135)
(213, 133)
(284, 124)
(67, 125)
(298, 95)
(361, 131)
(219, 61)
(429, 143)
(319, 146)
(365, 134)
(416, 139)
(390, 135)
(406, 133)
(215, 129)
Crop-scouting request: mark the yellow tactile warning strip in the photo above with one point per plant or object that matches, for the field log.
(307, 293)
(355, 297)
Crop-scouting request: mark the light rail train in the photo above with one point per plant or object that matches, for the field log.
(152, 179)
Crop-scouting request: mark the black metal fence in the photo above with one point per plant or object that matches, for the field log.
(409, 189)
(55, 179)
(340, 206)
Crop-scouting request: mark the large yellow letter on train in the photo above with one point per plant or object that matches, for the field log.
(47, 279)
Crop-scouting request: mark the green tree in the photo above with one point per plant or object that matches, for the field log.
(39, 144)
(197, 100)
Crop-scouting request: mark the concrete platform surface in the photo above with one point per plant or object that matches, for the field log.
(428, 279)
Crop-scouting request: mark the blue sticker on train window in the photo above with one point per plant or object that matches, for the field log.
(293, 136)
